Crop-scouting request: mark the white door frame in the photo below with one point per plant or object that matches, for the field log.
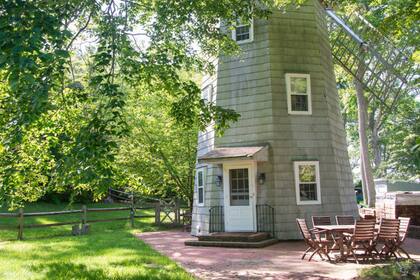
(252, 173)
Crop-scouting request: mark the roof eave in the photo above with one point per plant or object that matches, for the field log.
(259, 156)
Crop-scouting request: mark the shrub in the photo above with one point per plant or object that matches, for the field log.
(407, 269)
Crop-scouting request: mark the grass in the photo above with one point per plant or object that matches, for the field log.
(408, 270)
(109, 251)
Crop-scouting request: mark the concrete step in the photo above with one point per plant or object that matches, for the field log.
(232, 244)
(235, 236)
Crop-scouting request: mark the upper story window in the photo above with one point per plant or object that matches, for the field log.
(298, 88)
(201, 182)
(307, 183)
(243, 33)
(207, 94)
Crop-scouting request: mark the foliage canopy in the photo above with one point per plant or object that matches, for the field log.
(67, 66)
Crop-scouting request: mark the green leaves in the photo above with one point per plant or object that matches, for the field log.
(67, 69)
(157, 156)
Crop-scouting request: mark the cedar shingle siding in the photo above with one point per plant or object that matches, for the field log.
(254, 85)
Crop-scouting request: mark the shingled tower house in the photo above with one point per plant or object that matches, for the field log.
(287, 156)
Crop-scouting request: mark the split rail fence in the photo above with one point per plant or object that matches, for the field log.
(164, 213)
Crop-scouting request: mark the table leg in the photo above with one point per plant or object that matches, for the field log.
(341, 245)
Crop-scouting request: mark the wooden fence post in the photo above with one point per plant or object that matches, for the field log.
(177, 212)
(132, 199)
(20, 229)
(132, 216)
(157, 213)
(84, 215)
(132, 210)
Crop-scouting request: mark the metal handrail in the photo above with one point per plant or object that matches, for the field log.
(217, 219)
(264, 213)
(265, 218)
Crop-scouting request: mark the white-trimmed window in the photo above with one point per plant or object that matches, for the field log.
(201, 183)
(243, 33)
(298, 88)
(308, 188)
(207, 94)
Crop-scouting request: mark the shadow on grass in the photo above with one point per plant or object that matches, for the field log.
(115, 255)
(65, 270)
(109, 251)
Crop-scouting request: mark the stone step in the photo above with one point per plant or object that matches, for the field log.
(235, 236)
(232, 244)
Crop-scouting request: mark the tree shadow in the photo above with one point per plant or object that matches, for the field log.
(62, 258)
(67, 270)
(63, 270)
(315, 275)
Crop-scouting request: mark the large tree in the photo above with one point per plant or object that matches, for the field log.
(398, 20)
(61, 125)
(157, 156)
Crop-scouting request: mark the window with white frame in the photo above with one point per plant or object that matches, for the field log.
(201, 182)
(307, 183)
(207, 94)
(298, 88)
(239, 187)
(243, 32)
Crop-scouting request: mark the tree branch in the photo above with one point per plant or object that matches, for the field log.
(80, 31)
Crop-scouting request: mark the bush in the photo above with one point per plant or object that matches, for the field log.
(407, 269)
(66, 197)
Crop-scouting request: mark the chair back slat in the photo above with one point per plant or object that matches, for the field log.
(389, 229)
(369, 217)
(303, 229)
(321, 221)
(364, 229)
(403, 230)
(345, 220)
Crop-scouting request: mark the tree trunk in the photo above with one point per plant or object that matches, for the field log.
(374, 127)
(363, 179)
(365, 167)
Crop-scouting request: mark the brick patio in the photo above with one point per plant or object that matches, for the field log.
(279, 261)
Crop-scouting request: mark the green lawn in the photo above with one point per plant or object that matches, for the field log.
(110, 251)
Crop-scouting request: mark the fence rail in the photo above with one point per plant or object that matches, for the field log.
(38, 214)
(108, 209)
(162, 212)
(8, 215)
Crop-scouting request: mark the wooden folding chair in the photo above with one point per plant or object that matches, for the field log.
(321, 221)
(313, 241)
(325, 221)
(363, 238)
(345, 220)
(403, 231)
(388, 235)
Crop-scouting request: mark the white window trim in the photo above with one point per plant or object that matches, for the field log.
(204, 170)
(251, 33)
(296, 165)
(289, 93)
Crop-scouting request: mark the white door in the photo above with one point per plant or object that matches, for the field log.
(239, 197)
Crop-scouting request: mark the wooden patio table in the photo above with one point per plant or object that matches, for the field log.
(337, 231)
